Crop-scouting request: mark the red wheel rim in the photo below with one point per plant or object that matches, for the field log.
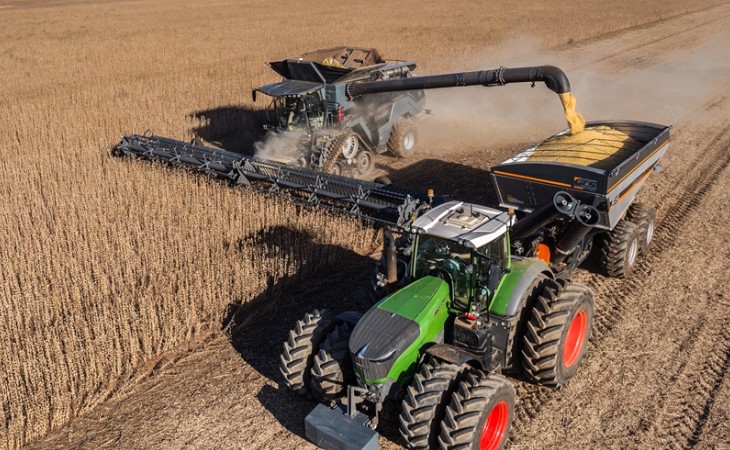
(494, 427)
(575, 338)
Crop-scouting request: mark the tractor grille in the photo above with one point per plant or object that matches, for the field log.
(378, 340)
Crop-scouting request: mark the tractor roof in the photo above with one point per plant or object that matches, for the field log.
(470, 225)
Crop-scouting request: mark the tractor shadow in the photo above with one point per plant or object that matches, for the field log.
(458, 181)
(232, 128)
(259, 327)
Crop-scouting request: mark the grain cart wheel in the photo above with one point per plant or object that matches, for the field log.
(295, 362)
(557, 334)
(345, 144)
(620, 248)
(425, 402)
(644, 217)
(480, 413)
(364, 162)
(402, 141)
(332, 369)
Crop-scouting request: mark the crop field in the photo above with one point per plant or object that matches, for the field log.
(144, 307)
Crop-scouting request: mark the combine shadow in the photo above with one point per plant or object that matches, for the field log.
(233, 128)
(456, 180)
(259, 327)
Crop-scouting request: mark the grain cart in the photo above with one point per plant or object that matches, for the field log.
(480, 292)
(343, 105)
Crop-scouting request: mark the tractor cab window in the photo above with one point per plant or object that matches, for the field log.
(449, 260)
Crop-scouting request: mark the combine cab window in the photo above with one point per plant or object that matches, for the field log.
(298, 112)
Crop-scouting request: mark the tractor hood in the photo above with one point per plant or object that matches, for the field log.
(290, 88)
(394, 330)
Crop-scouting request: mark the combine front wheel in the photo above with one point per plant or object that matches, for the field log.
(557, 334)
(480, 413)
(295, 362)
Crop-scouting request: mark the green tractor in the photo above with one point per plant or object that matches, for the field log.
(469, 311)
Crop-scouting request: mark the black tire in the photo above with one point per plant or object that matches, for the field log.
(295, 361)
(620, 249)
(332, 368)
(364, 162)
(345, 143)
(513, 355)
(481, 409)
(424, 404)
(644, 217)
(403, 138)
(557, 333)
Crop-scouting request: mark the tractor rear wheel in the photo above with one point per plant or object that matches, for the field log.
(480, 413)
(557, 334)
(332, 369)
(620, 248)
(644, 217)
(296, 360)
(402, 140)
(425, 402)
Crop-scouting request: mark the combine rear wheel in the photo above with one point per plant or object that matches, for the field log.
(557, 334)
(296, 361)
(425, 402)
(402, 141)
(480, 413)
(644, 217)
(621, 246)
(332, 369)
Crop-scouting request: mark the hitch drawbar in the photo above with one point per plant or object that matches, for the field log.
(334, 429)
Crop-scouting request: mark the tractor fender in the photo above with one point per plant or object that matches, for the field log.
(350, 317)
(534, 269)
(455, 355)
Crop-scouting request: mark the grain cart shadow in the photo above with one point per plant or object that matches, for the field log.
(233, 128)
(456, 180)
(259, 327)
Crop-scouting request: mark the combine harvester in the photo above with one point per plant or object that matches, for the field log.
(467, 292)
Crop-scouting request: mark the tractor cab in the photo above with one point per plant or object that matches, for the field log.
(468, 246)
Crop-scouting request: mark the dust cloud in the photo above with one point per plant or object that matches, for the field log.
(282, 147)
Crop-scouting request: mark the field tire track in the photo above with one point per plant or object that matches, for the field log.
(615, 294)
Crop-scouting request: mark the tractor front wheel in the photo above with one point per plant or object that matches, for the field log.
(425, 402)
(480, 413)
(332, 369)
(557, 333)
(402, 140)
(296, 360)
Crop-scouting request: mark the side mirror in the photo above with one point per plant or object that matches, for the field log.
(253, 95)
(495, 276)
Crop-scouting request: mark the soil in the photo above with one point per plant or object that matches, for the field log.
(656, 372)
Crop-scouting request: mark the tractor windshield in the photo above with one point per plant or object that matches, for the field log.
(299, 112)
(468, 269)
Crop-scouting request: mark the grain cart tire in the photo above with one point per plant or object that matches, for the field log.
(620, 248)
(297, 358)
(402, 140)
(557, 334)
(332, 369)
(480, 413)
(424, 404)
(345, 144)
(644, 216)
